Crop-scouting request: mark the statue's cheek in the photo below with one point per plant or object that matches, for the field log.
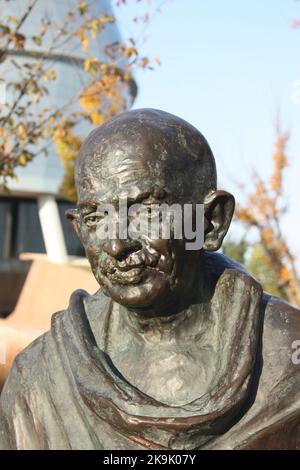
(94, 246)
(86, 233)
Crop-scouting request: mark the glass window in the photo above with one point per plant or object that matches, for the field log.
(20, 228)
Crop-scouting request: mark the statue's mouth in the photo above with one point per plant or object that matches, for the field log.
(134, 267)
(130, 276)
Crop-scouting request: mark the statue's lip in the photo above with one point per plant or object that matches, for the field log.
(138, 259)
(131, 276)
(131, 266)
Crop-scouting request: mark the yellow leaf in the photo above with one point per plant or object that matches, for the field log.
(22, 160)
(83, 8)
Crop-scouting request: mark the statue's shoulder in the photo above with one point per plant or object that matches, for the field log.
(29, 365)
(283, 317)
(278, 315)
(27, 368)
(217, 264)
(280, 336)
(25, 376)
(25, 389)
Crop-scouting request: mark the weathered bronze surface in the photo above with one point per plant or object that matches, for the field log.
(178, 349)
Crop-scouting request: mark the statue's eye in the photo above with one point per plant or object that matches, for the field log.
(93, 219)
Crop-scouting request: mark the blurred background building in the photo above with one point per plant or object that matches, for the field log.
(32, 220)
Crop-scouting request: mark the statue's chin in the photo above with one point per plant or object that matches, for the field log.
(147, 294)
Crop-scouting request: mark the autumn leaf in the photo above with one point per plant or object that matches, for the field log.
(81, 34)
(19, 40)
(83, 8)
(37, 40)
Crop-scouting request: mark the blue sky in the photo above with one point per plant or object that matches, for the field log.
(228, 68)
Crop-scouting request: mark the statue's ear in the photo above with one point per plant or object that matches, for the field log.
(218, 212)
(72, 216)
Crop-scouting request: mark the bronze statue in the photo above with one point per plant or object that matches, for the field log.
(179, 349)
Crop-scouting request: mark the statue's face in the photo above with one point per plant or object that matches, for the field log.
(149, 157)
(141, 273)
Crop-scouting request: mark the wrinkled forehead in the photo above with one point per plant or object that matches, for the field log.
(121, 165)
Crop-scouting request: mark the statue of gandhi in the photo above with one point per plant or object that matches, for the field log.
(180, 348)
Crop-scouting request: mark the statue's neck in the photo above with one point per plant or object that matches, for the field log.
(168, 358)
(167, 321)
(164, 328)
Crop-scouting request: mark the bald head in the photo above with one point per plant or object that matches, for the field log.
(142, 149)
(147, 158)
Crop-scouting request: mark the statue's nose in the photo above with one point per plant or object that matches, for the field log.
(121, 248)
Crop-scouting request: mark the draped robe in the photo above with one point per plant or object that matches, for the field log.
(64, 392)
